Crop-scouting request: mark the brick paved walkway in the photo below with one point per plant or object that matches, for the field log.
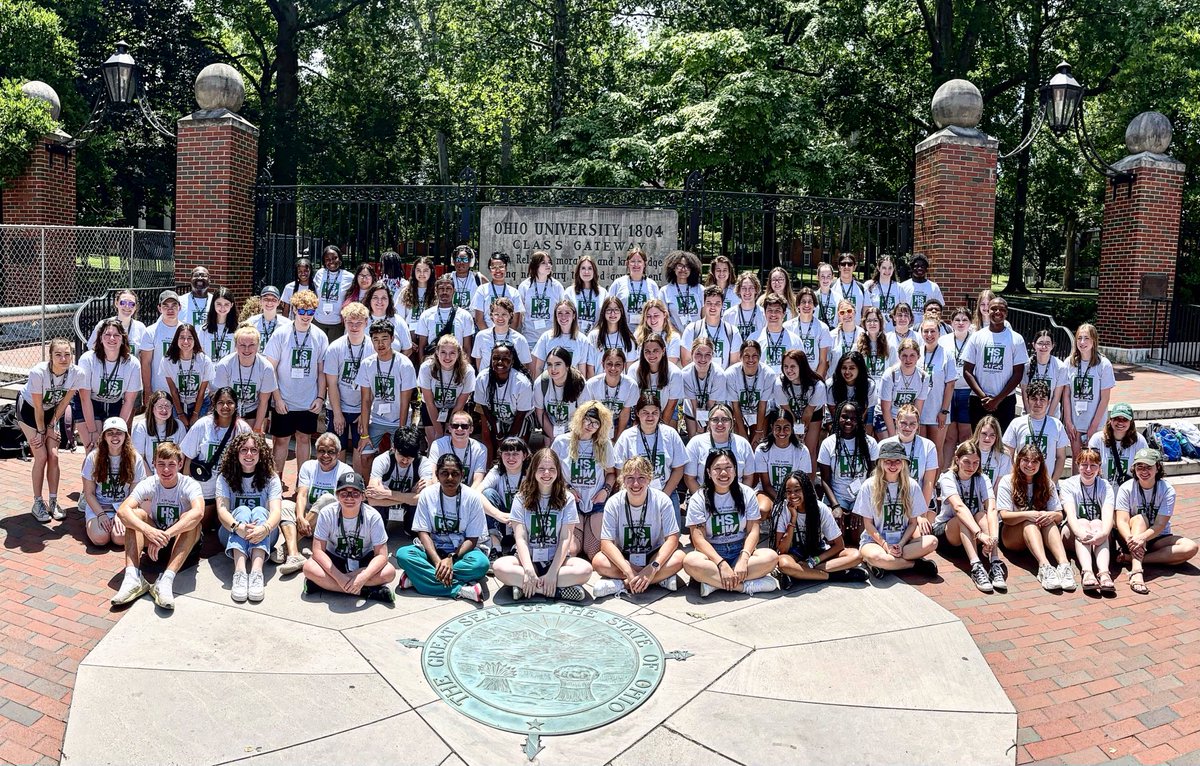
(1093, 681)
(1153, 385)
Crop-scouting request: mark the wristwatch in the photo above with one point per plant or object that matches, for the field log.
(945, 412)
(654, 564)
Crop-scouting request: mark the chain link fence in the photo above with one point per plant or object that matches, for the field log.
(48, 272)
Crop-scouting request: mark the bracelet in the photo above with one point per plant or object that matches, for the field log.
(743, 553)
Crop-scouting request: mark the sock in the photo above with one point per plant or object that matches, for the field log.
(132, 574)
(165, 582)
(54, 498)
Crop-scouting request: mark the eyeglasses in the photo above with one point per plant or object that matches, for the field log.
(306, 312)
(847, 263)
(127, 304)
(460, 426)
(721, 420)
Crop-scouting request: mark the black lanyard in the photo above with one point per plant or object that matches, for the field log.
(969, 500)
(653, 455)
(342, 526)
(466, 458)
(457, 500)
(629, 512)
(542, 516)
(388, 374)
(296, 339)
(1153, 506)
(336, 277)
(746, 388)
(702, 392)
(931, 362)
(105, 377)
(841, 451)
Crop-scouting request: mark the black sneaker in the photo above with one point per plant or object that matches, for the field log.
(876, 572)
(980, 575)
(785, 581)
(571, 593)
(311, 588)
(853, 574)
(925, 568)
(999, 576)
(381, 593)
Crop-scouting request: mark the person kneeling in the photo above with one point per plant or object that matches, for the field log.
(890, 504)
(723, 519)
(448, 524)
(544, 515)
(353, 562)
(635, 554)
(808, 539)
(162, 516)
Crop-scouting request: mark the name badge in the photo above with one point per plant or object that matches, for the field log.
(855, 486)
(396, 513)
(702, 418)
(299, 373)
(637, 559)
(443, 415)
(1080, 408)
(800, 428)
(327, 307)
(539, 324)
(542, 555)
(383, 408)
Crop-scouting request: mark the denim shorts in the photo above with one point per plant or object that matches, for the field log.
(875, 418)
(729, 551)
(376, 433)
(960, 408)
(349, 435)
(244, 515)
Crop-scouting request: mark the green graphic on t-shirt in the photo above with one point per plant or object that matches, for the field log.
(539, 307)
(1150, 512)
(165, 515)
(749, 398)
(636, 301)
(1037, 440)
(850, 465)
(660, 466)
(111, 488)
(559, 412)
(893, 517)
(504, 412)
(587, 309)
(583, 470)
(444, 396)
(918, 302)
(111, 388)
(385, 389)
(723, 524)
(1084, 388)
(462, 299)
(245, 392)
(686, 304)
(746, 329)
(349, 371)
(901, 398)
(188, 383)
(993, 358)
(349, 546)
(444, 525)
(914, 467)
(314, 494)
(779, 474)
(250, 501)
(221, 348)
(211, 452)
(875, 365)
(166, 344)
(887, 302)
(810, 346)
(302, 359)
(543, 528)
(775, 353)
(1123, 464)
(1088, 510)
(637, 539)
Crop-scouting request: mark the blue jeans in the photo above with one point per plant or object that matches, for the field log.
(495, 497)
(729, 551)
(244, 515)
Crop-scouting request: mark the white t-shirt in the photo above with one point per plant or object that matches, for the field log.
(853, 292)
(160, 336)
(901, 389)
(543, 525)
(995, 464)
(343, 360)
(450, 520)
(473, 456)
(138, 335)
(725, 526)
(939, 370)
(828, 527)
(890, 519)
(1088, 500)
(922, 455)
(956, 350)
(247, 495)
(615, 398)
(503, 482)
(397, 478)
(700, 394)
(513, 396)
(108, 382)
(826, 308)
(465, 287)
(202, 442)
(290, 289)
(441, 383)
(319, 481)
(166, 504)
(267, 329)
(1048, 434)
(747, 322)
(796, 399)
(299, 357)
(247, 382)
(778, 463)
(194, 310)
(146, 441)
(1054, 373)
(887, 298)
(848, 468)
(974, 493)
(1109, 469)
(352, 539)
(663, 448)
(994, 355)
(582, 351)
(387, 381)
(813, 336)
(684, 303)
(746, 391)
(638, 530)
(110, 492)
(699, 447)
(1085, 383)
(331, 288)
(843, 343)
(724, 336)
(549, 398)
(485, 341)
(921, 292)
(52, 387)
(612, 340)
(540, 299)
(401, 337)
(633, 296)
(217, 345)
(587, 305)
(1135, 501)
(433, 321)
(188, 374)
(1004, 496)
(673, 390)
(776, 344)
(585, 473)
(487, 294)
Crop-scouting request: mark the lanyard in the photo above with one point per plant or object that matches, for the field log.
(629, 512)
(1041, 433)
(332, 279)
(611, 396)
(1083, 493)
(652, 454)
(243, 381)
(843, 452)
(641, 284)
(501, 392)
(1153, 505)
(958, 349)
(466, 457)
(702, 392)
(296, 339)
(842, 337)
(827, 305)
(457, 500)
(542, 516)
(931, 362)
(492, 287)
(105, 377)
(776, 341)
(747, 322)
(797, 403)
(268, 329)
(746, 387)
(388, 374)
(342, 526)
(970, 499)
(811, 328)
(362, 349)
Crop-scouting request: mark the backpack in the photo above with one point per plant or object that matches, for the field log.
(12, 438)
(1172, 449)
(1150, 433)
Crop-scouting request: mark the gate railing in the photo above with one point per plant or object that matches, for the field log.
(757, 231)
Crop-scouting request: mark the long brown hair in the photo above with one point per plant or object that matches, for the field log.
(1043, 488)
(103, 461)
(529, 491)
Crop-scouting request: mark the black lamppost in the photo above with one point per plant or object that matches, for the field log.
(122, 88)
(1061, 109)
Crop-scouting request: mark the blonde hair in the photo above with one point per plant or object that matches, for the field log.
(879, 488)
(644, 331)
(304, 300)
(352, 310)
(601, 445)
(246, 331)
(637, 464)
(908, 409)
(1090, 331)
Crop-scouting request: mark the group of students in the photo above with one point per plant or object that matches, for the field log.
(834, 432)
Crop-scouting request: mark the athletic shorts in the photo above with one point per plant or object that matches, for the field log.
(292, 422)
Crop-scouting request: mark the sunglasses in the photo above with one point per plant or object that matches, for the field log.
(460, 426)
(306, 312)
(127, 304)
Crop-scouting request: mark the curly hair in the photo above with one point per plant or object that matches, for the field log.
(601, 444)
(103, 462)
(231, 467)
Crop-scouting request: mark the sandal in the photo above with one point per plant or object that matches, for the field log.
(1138, 586)
(1106, 584)
(1089, 583)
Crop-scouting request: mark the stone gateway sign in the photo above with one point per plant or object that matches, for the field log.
(549, 668)
(569, 233)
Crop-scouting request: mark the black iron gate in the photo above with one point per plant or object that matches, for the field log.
(1183, 335)
(755, 230)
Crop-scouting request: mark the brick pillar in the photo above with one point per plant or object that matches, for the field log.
(1140, 235)
(44, 195)
(954, 220)
(216, 163)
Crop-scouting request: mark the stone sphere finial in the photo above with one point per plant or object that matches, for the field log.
(219, 86)
(957, 103)
(1148, 132)
(43, 92)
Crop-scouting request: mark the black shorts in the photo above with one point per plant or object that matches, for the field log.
(293, 421)
(341, 563)
(102, 411)
(1005, 412)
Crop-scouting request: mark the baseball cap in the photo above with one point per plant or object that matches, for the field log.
(350, 481)
(1147, 456)
(115, 424)
(168, 295)
(269, 290)
(1120, 410)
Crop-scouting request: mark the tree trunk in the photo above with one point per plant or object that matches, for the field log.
(505, 149)
(443, 159)
(284, 115)
(1016, 267)
(558, 65)
(1069, 258)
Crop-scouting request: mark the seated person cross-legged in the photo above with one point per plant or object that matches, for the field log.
(349, 552)
(890, 504)
(808, 539)
(1145, 506)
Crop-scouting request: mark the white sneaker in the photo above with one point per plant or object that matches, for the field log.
(518, 594)
(291, 565)
(279, 553)
(405, 583)
(40, 512)
(132, 588)
(608, 587)
(706, 590)
(56, 511)
(764, 584)
(1066, 577)
(241, 583)
(472, 592)
(164, 598)
(1048, 577)
(255, 591)
(671, 583)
